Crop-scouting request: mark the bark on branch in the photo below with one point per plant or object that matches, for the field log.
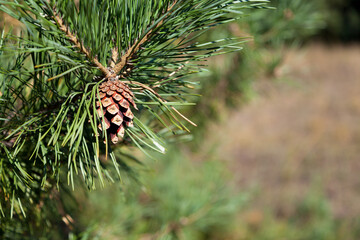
(136, 46)
(72, 37)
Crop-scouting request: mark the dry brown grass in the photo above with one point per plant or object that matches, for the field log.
(303, 130)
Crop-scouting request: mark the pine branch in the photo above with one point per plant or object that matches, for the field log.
(136, 46)
(72, 37)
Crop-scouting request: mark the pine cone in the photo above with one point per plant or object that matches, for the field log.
(116, 98)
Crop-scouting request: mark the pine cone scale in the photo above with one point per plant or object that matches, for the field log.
(107, 101)
(117, 120)
(110, 93)
(113, 109)
(117, 97)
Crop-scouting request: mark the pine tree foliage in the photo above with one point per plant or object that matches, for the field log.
(50, 78)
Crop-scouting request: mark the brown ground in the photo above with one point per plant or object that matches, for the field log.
(302, 133)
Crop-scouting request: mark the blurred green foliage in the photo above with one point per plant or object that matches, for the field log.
(292, 22)
(181, 199)
(297, 21)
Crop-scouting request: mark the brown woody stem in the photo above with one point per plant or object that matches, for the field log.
(78, 44)
(135, 47)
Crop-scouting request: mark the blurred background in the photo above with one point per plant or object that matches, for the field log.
(276, 152)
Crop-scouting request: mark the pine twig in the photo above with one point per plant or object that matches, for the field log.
(72, 37)
(136, 46)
